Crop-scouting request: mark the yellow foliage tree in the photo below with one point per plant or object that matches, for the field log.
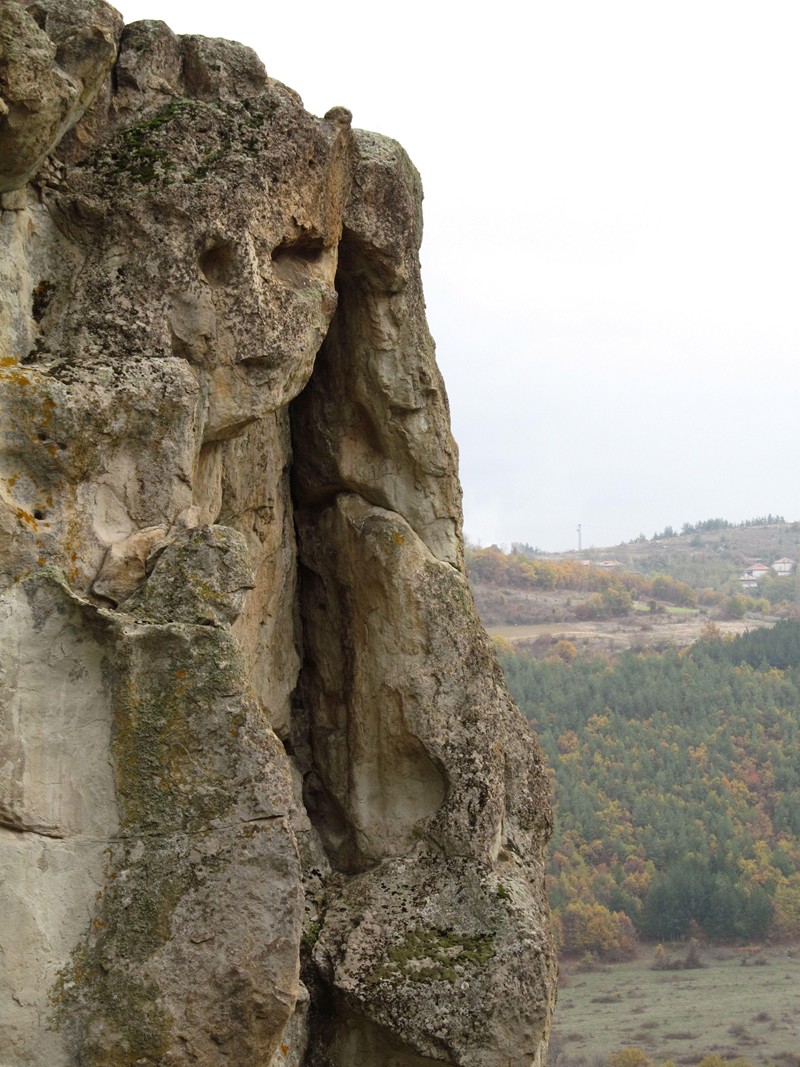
(565, 650)
(591, 927)
(786, 902)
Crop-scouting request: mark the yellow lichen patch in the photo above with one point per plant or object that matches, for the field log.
(16, 377)
(26, 517)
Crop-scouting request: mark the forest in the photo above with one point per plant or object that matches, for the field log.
(677, 789)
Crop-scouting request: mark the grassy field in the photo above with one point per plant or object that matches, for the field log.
(741, 1003)
(676, 627)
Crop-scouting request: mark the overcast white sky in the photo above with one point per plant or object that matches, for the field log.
(612, 239)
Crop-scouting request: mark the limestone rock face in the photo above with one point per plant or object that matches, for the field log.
(263, 796)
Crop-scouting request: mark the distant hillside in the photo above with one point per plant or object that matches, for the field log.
(652, 592)
(707, 554)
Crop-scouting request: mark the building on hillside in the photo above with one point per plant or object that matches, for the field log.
(758, 570)
(784, 567)
(753, 575)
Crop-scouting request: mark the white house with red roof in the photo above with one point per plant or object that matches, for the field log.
(753, 575)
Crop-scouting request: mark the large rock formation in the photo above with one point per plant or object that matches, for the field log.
(263, 797)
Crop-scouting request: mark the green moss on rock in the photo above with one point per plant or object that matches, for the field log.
(430, 955)
(111, 1016)
(186, 141)
(176, 723)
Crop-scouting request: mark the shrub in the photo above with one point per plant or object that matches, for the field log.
(693, 960)
(630, 1057)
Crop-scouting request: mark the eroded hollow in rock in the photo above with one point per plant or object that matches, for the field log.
(219, 265)
(294, 260)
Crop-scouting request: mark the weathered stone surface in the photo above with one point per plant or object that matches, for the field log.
(49, 76)
(200, 577)
(124, 566)
(418, 777)
(444, 954)
(153, 869)
(412, 734)
(58, 806)
(376, 406)
(229, 515)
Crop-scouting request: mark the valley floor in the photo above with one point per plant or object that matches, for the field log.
(742, 1002)
(638, 632)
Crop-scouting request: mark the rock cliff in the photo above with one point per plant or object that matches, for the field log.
(263, 797)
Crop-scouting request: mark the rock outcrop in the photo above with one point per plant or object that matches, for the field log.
(264, 799)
